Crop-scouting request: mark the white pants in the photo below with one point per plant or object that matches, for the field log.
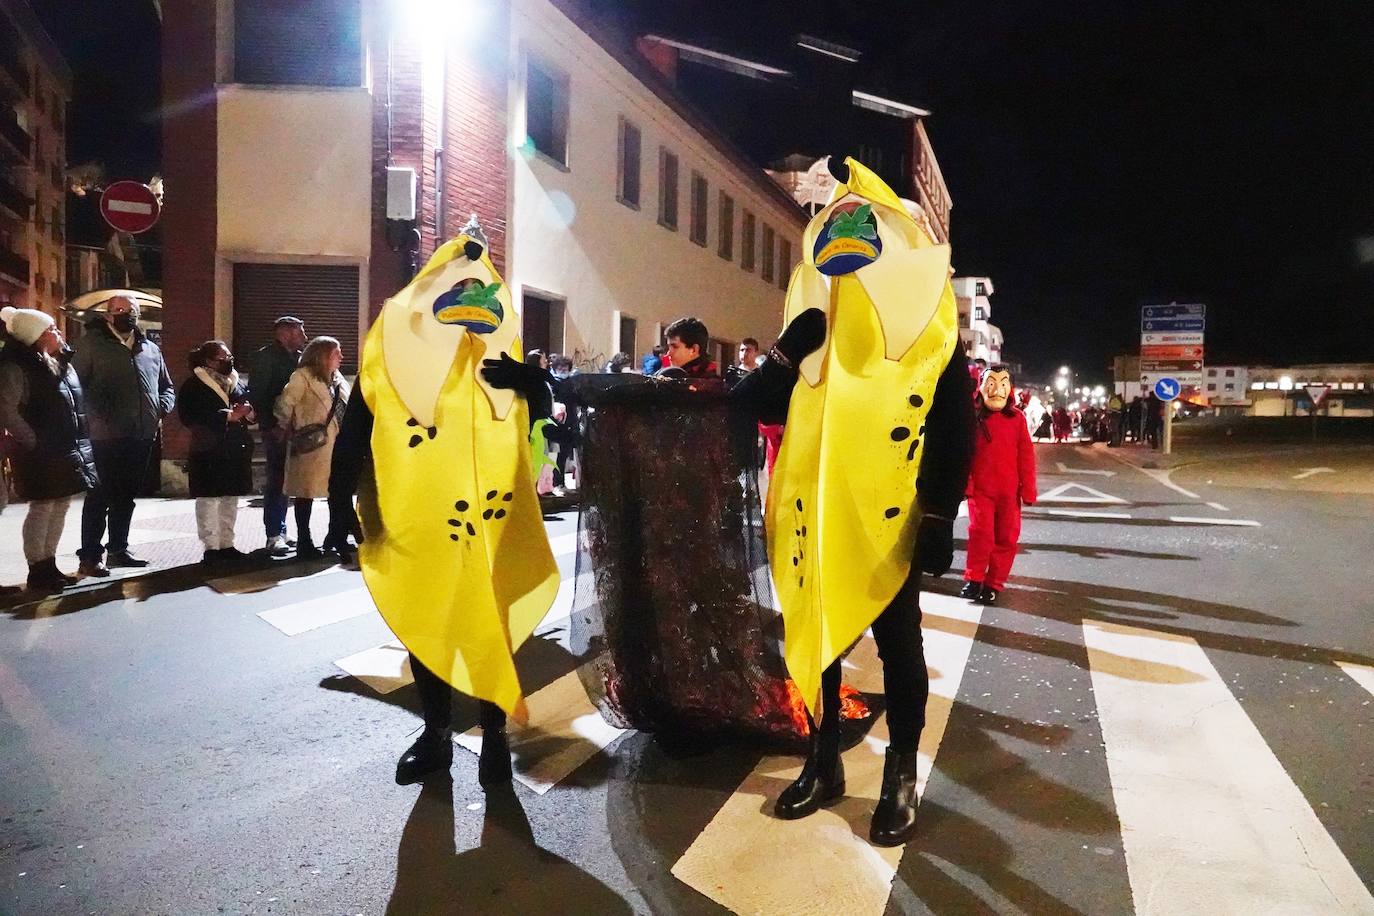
(215, 517)
(43, 528)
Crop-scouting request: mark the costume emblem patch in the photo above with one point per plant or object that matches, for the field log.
(848, 240)
(472, 304)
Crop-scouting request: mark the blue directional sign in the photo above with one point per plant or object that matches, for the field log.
(1173, 324)
(1166, 389)
(1173, 310)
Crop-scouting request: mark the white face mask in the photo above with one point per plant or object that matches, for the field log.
(996, 389)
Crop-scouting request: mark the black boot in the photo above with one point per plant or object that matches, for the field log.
(821, 779)
(58, 575)
(894, 818)
(306, 549)
(432, 752)
(988, 596)
(971, 590)
(493, 766)
(44, 580)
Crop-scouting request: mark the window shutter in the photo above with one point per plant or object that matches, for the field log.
(324, 296)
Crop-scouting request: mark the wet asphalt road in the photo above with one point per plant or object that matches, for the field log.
(166, 750)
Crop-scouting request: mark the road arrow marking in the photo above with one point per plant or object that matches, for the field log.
(1219, 507)
(1064, 493)
(1312, 472)
(1069, 470)
(1207, 811)
(751, 862)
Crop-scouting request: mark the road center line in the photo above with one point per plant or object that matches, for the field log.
(1085, 513)
(1232, 522)
(1207, 811)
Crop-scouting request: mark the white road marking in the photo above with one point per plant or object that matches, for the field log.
(751, 862)
(1068, 470)
(1158, 476)
(1360, 674)
(1207, 811)
(1087, 513)
(564, 731)
(1233, 522)
(1065, 493)
(1219, 507)
(303, 616)
(1312, 472)
(384, 668)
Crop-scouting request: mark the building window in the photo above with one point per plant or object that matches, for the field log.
(784, 262)
(627, 169)
(980, 289)
(697, 230)
(1230, 373)
(979, 313)
(667, 189)
(1211, 386)
(766, 262)
(1211, 373)
(546, 111)
(541, 322)
(627, 332)
(747, 251)
(298, 42)
(725, 245)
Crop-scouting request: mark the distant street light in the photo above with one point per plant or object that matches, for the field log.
(1063, 370)
(1061, 384)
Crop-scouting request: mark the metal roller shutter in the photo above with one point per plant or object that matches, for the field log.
(298, 42)
(324, 296)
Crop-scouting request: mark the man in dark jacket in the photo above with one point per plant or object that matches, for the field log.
(688, 341)
(269, 369)
(128, 392)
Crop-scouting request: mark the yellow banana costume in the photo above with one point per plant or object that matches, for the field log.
(455, 553)
(841, 514)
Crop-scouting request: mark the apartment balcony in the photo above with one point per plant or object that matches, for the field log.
(14, 266)
(14, 135)
(12, 200)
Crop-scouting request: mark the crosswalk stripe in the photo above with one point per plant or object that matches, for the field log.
(751, 862)
(1207, 811)
(1360, 674)
(303, 616)
(564, 731)
(384, 668)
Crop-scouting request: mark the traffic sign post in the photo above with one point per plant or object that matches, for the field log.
(1171, 344)
(1167, 389)
(1316, 394)
(129, 207)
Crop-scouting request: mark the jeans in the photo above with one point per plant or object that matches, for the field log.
(120, 464)
(273, 500)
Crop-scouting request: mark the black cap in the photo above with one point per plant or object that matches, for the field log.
(285, 320)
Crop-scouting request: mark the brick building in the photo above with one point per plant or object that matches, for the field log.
(35, 87)
(611, 207)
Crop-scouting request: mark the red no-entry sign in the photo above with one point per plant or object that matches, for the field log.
(129, 207)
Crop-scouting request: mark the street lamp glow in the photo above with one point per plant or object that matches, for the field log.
(1099, 391)
(1061, 384)
(1063, 370)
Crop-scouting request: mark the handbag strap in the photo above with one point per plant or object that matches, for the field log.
(333, 404)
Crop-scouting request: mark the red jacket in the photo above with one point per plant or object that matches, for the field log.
(1003, 457)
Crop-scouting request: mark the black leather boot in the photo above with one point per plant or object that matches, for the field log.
(493, 766)
(432, 752)
(988, 596)
(971, 590)
(45, 580)
(894, 818)
(821, 779)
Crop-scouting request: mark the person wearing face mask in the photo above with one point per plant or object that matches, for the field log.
(42, 407)
(213, 405)
(128, 391)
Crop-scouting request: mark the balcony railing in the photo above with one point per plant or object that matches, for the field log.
(15, 266)
(15, 135)
(13, 199)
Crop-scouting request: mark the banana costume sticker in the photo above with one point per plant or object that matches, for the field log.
(841, 515)
(455, 553)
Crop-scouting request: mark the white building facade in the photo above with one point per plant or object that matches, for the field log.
(981, 339)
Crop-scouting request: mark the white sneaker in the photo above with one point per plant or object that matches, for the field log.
(559, 491)
(276, 547)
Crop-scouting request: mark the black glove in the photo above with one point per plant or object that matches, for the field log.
(507, 372)
(802, 336)
(935, 545)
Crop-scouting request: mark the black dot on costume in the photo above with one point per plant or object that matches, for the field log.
(456, 522)
(892, 512)
(799, 505)
(415, 440)
(911, 449)
(500, 513)
(900, 433)
(432, 431)
(461, 505)
(412, 422)
(487, 514)
(471, 530)
(794, 561)
(916, 400)
(453, 537)
(508, 497)
(797, 532)
(801, 580)
(803, 533)
(491, 494)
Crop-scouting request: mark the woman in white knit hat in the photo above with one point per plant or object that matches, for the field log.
(42, 407)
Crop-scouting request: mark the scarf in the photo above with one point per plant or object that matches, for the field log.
(220, 384)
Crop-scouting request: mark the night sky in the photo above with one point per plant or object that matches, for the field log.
(1100, 156)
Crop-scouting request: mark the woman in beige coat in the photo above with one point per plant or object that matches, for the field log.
(316, 394)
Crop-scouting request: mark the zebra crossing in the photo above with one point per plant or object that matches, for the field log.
(1206, 809)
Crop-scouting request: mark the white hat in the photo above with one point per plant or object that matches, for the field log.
(25, 325)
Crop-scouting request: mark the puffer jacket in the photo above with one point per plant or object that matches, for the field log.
(128, 390)
(44, 414)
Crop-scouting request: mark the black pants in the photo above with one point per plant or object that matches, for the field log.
(436, 701)
(120, 465)
(906, 683)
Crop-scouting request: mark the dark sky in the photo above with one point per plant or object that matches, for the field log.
(1100, 156)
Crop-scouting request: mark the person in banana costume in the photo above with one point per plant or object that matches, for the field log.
(454, 550)
(873, 385)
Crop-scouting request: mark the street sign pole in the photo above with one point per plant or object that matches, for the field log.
(1167, 439)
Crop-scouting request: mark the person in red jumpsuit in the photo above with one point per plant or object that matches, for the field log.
(1002, 478)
